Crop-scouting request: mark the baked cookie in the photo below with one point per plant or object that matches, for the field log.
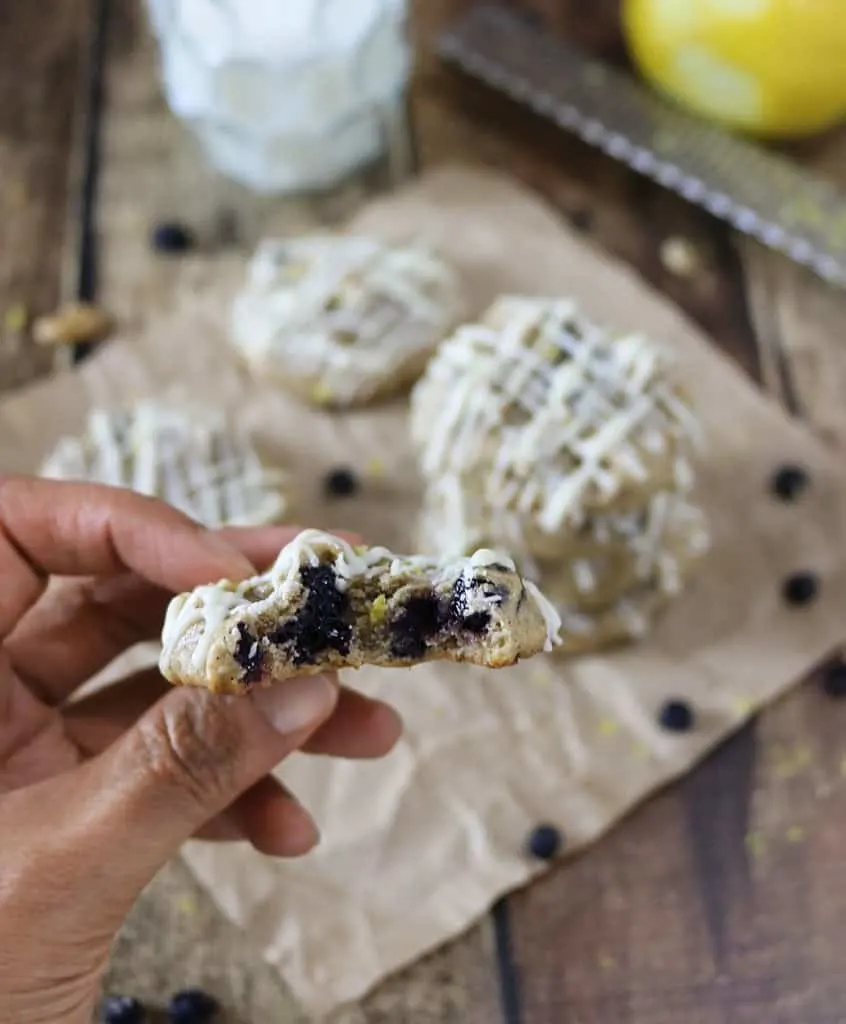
(343, 320)
(197, 461)
(606, 557)
(628, 618)
(546, 415)
(326, 605)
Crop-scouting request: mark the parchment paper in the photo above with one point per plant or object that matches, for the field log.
(418, 846)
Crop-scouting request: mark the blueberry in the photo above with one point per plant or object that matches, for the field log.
(192, 1006)
(417, 622)
(788, 482)
(544, 842)
(248, 654)
(121, 1010)
(321, 623)
(582, 220)
(800, 588)
(171, 237)
(341, 482)
(676, 716)
(834, 679)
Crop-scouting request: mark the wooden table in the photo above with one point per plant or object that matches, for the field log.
(721, 899)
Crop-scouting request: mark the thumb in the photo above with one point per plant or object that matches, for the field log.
(184, 761)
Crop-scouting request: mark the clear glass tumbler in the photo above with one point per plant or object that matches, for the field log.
(285, 95)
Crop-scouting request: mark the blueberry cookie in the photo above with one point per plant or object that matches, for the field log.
(547, 416)
(195, 460)
(343, 320)
(627, 619)
(607, 556)
(326, 605)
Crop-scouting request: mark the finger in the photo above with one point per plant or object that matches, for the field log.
(273, 820)
(266, 814)
(80, 626)
(69, 529)
(186, 760)
(358, 727)
(120, 816)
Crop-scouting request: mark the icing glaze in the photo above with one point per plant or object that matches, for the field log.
(208, 606)
(549, 415)
(198, 463)
(669, 532)
(347, 312)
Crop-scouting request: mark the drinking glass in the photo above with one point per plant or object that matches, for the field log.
(285, 95)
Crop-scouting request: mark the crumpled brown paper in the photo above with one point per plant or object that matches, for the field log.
(417, 846)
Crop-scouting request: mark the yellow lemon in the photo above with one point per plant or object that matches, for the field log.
(767, 67)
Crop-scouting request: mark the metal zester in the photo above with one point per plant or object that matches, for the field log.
(759, 193)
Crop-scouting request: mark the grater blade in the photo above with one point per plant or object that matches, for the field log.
(759, 193)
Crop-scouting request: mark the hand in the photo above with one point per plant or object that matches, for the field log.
(97, 793)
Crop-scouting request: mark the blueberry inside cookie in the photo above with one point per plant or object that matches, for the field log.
(326, 605)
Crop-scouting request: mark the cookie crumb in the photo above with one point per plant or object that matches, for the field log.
(795, 834)
(679, 256)
(76, 323)
(321, 394)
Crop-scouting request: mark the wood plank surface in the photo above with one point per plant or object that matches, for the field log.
(708, 905)
(42, 50)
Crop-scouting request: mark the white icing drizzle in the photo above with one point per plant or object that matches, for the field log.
(348, 311)
(668, 533)
(197, 462)
(551, 618)
(550, 414)
(208, 606)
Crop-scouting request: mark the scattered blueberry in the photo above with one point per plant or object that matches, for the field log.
(581, 220)
(788, 482)
(121, 1010)
(341, 482)
(676, 716)
(800, 588)
(171, 236)
(192, 1006)
(544, 842)
(834, 679)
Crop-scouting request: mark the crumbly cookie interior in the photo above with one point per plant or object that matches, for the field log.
(325, 604)
(398, 617)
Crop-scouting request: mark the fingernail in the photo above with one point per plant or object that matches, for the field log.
(295, 704)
